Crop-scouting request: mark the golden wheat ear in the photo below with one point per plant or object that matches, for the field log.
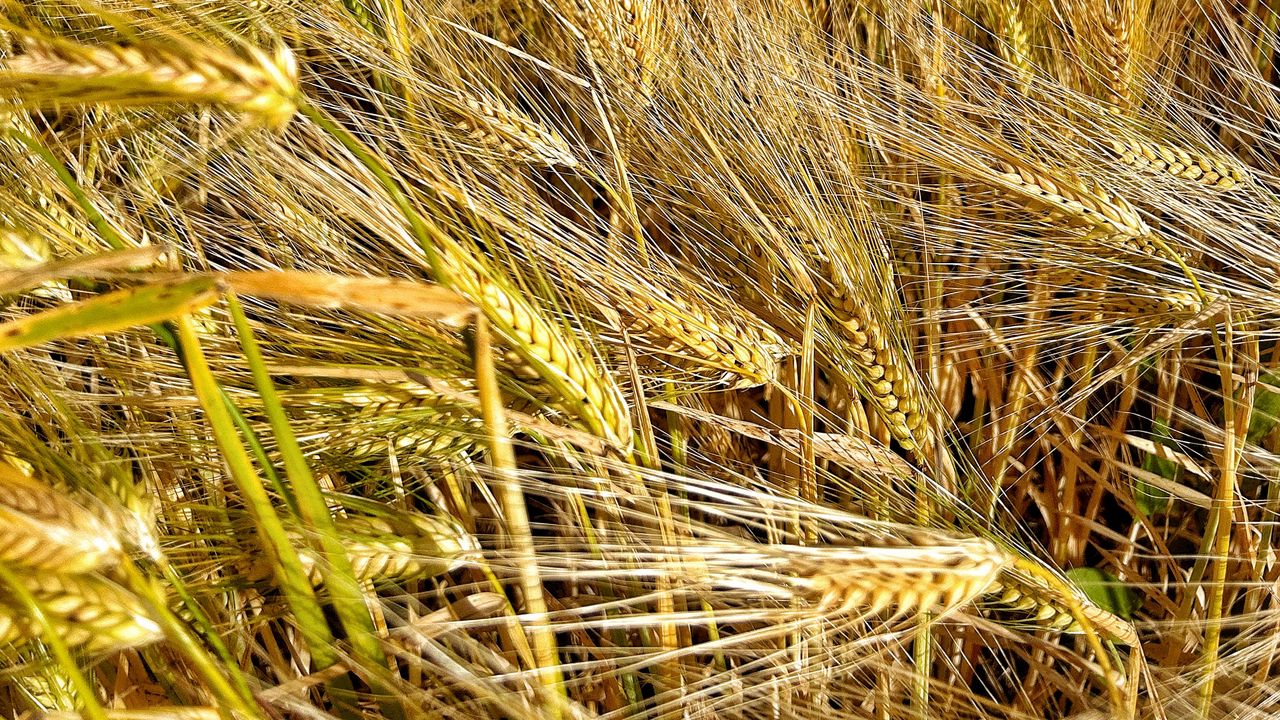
(919, 571)
(85, 611)
(515, 135)
(1020, 591)
(42, 529)
(50, 72)
(1215, 171)
(399, 545)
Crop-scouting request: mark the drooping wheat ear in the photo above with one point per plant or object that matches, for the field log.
(404, 416)
(1214, 171)
(1014, 41)
(917, 572)
(85, 611)
(1075, 199)
(44, 529)
(1144, 245)
(582, 388)
(513, 133)
(51, 72)
(391, 398)
(47, 689)
(1021, 591)
(398, 547)
(747, 350)
(883, 370)
(157, 712)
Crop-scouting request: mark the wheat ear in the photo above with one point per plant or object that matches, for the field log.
(398, 547)
(892, 384)
(1213, 171)
(1022, 592)
(917, 572)
(53, 72)
(1073, 198)
(513, 133)
(749, 351)
(44, 529)
(85, 611)
(1015, 41)
(583, 388)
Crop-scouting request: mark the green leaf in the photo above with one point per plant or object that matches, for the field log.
(1106, 591)
(1266, 407)
(1149, 498)
(111, 312)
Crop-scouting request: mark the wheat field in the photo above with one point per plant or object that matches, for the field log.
(621, 359)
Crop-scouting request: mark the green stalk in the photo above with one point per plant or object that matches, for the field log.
(1224, 508)
(339, 576)
(288, 569)
(234, 696)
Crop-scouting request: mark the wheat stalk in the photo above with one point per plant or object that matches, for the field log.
(49, 72)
